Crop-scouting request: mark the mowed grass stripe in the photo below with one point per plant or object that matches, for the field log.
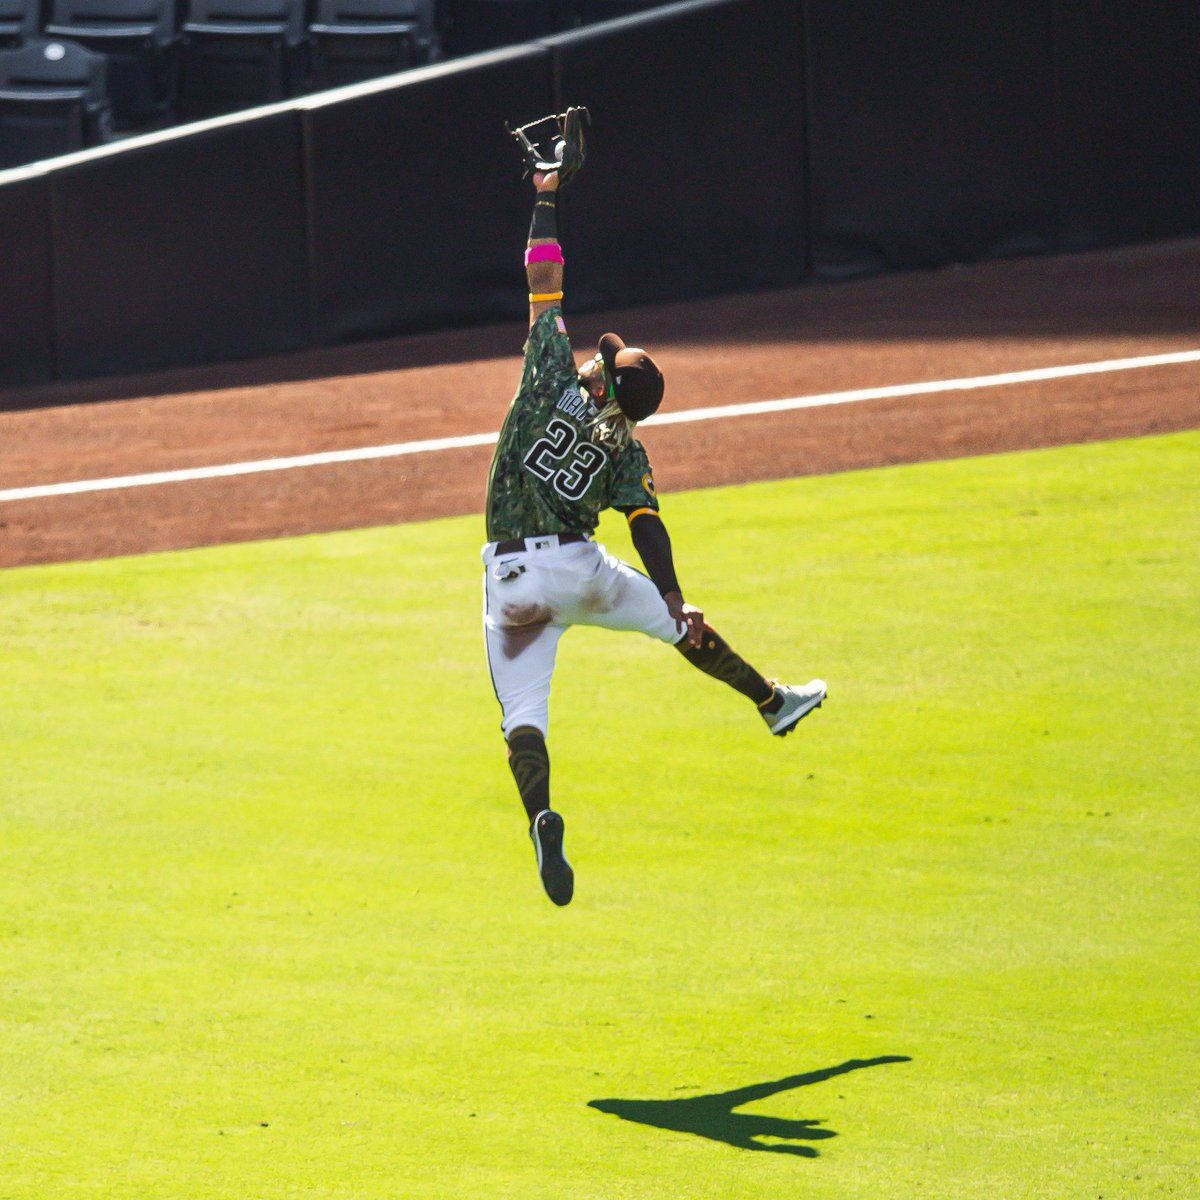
(271, 925)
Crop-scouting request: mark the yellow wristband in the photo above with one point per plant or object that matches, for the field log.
(541, 297)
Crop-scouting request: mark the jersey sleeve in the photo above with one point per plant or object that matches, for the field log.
(548, 349)
(633, 481)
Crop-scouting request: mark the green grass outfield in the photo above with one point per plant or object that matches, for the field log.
(270, 926)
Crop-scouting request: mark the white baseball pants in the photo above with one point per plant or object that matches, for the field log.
(532, 596)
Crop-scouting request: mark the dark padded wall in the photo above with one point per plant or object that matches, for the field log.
(1129, 86)
(432, 233)
(737, 144)
(930, 132)
(188, 251)
(694, 181)
(26, 302)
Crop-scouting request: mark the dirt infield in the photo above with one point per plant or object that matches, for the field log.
(977, 320)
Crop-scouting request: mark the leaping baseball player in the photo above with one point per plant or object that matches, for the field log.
(566, 452)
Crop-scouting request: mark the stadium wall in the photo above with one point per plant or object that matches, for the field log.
(27, 325)
(737, 144)
(187, 250)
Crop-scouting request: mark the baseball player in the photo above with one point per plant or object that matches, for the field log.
(566, 452)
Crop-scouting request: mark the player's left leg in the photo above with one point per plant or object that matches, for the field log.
(781, 705)
(714, 656)
(618, 597)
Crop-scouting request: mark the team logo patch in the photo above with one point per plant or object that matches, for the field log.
(648, 484)
(560, 324)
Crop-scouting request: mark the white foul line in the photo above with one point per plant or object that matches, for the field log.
(756, 408)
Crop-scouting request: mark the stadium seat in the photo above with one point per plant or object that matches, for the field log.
(140, 38)
(239, 53)
(360, 39)
(485, 24)
(52, 101)
(18, 21)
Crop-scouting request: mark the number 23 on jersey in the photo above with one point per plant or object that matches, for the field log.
(564, 461)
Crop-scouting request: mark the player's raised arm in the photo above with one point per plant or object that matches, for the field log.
(543, 254)
(553, 149)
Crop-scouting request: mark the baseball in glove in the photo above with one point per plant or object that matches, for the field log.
(553, 143)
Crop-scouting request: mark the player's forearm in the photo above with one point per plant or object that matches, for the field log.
(545, 276)
(653, 544)
(543, 256)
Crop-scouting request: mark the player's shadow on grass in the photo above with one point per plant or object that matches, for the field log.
(712, 1116)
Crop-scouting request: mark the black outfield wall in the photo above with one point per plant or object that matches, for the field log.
(667, 207)
(26, 299)
(695, 183)
(1128, 83)
(928, 132)
(188, 250)
(419, 213)
(736, 144)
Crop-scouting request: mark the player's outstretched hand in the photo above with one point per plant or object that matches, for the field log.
(688, 618)
(547, 182)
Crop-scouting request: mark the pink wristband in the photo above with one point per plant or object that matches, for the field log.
(546, 252)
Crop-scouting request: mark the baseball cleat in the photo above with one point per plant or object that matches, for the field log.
(798, 701)
(557, 877)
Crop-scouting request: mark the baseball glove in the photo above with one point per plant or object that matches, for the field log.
(553, 143)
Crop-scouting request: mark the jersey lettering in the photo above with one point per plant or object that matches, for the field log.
(573, 404)
(547, 459)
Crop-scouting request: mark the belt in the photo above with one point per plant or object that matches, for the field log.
(541, 541)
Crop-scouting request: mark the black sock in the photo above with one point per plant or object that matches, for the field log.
(715, 657)
(529, 762)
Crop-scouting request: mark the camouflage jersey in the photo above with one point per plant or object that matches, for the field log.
(548, 475)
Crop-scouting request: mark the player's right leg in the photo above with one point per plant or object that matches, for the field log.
(521, 640)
